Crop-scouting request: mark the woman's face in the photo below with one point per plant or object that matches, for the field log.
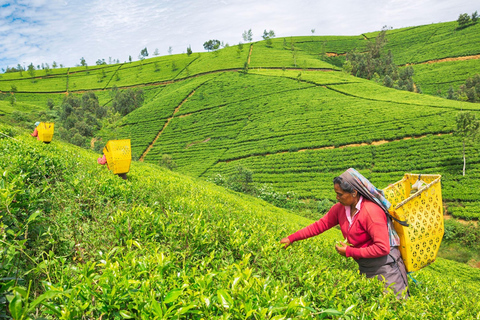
(344, 197)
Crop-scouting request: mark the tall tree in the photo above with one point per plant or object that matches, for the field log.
(143, 53)
(128, 100)
(31, 70)
(463, 20)
(247, 35)
(211, 45)
(475, 17)
(468, 127)
(83, 63)
(268, 35)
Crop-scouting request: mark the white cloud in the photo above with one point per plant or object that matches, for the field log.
(43, 31)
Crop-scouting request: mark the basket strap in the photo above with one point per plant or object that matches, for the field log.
(402, 222)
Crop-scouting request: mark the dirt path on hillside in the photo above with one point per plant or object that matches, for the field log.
(463, 58)
(462, 221)
(334, 54)
(196, 142)
(374, 143)
(164, 127)
(249, 55)
(477, 56)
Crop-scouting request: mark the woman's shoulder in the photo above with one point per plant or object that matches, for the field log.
(337, 207)
(372, 209)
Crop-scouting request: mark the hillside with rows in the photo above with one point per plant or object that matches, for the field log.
(173, 245)
(281, 110)
(161, 245)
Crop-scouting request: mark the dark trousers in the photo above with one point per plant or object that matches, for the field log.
(390, 269)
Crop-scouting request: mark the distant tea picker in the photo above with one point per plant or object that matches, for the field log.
(117, 156)
(43, 131)
(363, 216)
(35, 131)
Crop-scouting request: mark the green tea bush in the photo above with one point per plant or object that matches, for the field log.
(163, 245)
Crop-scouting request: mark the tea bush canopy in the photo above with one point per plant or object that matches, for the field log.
(161, 244)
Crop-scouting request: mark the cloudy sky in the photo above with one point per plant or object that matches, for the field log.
(43, 31)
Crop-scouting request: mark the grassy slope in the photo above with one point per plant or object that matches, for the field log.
(233, 116)
(162, 242)
(236, 119)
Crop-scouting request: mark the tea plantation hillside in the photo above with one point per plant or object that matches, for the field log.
(79, 242)
(294, 132)
(284, 111)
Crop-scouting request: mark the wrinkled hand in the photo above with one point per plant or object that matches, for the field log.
(341, 248)
(286, 241)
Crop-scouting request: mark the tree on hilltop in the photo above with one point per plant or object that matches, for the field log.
(83, 63)
(268, 35)
(475, 17)
(463, 20)
(211, 45)
(31, 70)
(143, 53)
(247, 35)
(468, 127)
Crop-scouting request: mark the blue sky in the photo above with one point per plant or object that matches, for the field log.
(43, 31)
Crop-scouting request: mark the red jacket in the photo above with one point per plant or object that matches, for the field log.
(368, 233)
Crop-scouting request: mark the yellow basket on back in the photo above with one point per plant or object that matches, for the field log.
(45, 131)
(119, 155)
(423, 211)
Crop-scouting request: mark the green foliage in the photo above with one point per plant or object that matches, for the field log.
(167, 162)
(126, 101)
(470, 91)
(211, 45)
(463, 20)
(468, 128)
(247, 35)
(437, 78)
(143, 53)
(164, 245)
(79, 118)
(461, 241)
(376, 65)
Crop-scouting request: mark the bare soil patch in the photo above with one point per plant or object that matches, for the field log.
(196, 142)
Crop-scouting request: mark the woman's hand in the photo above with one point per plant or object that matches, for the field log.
(341, 248)
(286, 241)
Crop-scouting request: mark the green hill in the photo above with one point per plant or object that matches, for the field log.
(283, 110)
(164, 245)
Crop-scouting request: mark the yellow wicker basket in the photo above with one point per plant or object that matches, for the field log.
(423, 211)
(45, 131)
(119, 155)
